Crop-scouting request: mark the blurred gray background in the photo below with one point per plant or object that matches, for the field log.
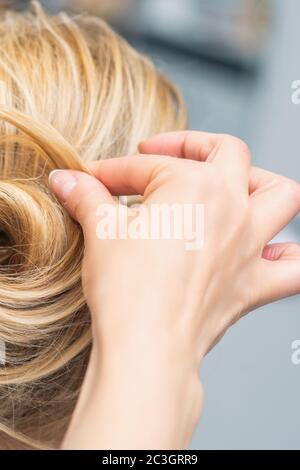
(235, 61)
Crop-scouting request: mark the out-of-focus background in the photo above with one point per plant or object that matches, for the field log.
(235, 62)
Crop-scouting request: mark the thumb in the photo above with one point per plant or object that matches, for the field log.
(80, 194)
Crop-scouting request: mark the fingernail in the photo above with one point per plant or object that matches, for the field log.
(62, 182)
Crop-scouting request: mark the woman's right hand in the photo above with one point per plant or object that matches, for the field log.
(212, 286)
(155, 298)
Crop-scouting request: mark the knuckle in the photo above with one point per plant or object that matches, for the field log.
(293, 248)
(238, 143)
(291, 189)
(162, 174)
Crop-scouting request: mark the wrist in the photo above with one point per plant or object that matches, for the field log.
(154, 373)
(146, 402)
(141, 393)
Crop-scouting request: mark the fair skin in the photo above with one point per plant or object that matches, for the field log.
(157, 308)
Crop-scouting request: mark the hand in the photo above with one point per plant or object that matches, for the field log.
(159, 307)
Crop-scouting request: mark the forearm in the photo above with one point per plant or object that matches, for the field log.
(138, 394)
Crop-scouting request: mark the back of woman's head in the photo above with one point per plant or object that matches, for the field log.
(71, 91)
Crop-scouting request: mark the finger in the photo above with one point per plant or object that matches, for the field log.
(280, 272)
(277, 251)
(260, 180)
(81, 194)
(275, 201)
(193, 145)
(228, 152)
(127, 175)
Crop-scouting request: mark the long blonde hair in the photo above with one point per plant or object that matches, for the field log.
(71, 91)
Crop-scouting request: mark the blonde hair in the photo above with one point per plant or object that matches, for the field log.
(71, 91)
